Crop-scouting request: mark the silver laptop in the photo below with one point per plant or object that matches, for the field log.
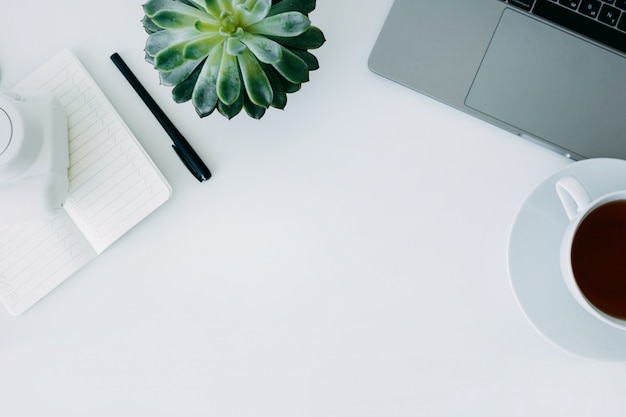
(553, 71)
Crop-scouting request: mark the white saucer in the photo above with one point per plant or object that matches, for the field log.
(533, 260)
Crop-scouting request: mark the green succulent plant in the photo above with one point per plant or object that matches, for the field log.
(232, 54)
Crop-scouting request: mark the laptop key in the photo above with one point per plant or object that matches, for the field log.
(522, 4)
(609, 15)
(572, 4)
(590, 7)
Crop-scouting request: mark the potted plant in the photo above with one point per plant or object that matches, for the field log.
(231, 55)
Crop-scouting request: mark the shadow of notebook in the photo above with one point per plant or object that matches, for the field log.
(510, 64)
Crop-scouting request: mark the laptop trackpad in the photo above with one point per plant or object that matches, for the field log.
(554, 86)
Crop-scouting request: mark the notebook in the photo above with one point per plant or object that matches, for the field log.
(113, 186)
(552, 71)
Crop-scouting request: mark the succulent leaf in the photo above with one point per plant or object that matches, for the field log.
(279, 100)
(232, 54)
(311, 61)
(313, 38)
(228, 81)
(149, 26)
(289, 86)
(252, 12)
(257, 85)
(284, 24)
(170, 19)
(292, 67)
(170, 58)
(204, 96)
(180, 74)
(153, 7)
(234, 46)
(252, 109)
(214, 7)
(230, 111)
(161, 40)
(201, 46)
(303, 6)
(227, 5)
(183, 90)
(266, 50)
(200, 4)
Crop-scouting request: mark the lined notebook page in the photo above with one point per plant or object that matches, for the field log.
(113, 186)
(35, 258)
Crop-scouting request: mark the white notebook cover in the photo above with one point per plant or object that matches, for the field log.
(113, 186)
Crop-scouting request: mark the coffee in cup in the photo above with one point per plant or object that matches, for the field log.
(593, 250)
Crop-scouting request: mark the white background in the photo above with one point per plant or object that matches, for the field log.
(347, 259)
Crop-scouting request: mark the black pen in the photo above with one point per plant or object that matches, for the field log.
(183, 149)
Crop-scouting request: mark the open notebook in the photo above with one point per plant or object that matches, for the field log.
(113, 186)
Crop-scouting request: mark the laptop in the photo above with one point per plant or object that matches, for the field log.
(551, 71)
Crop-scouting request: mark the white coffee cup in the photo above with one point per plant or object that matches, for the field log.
(579, 207)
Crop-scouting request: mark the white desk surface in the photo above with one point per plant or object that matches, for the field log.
(347, 259)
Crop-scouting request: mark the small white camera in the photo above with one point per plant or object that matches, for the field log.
(33, 157)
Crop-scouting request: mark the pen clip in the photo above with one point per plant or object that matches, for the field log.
(201, 173)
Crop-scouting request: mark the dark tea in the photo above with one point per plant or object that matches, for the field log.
(598, 258)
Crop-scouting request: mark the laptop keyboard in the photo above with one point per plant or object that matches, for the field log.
(601, 20)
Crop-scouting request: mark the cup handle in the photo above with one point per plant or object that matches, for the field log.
(573, 196)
